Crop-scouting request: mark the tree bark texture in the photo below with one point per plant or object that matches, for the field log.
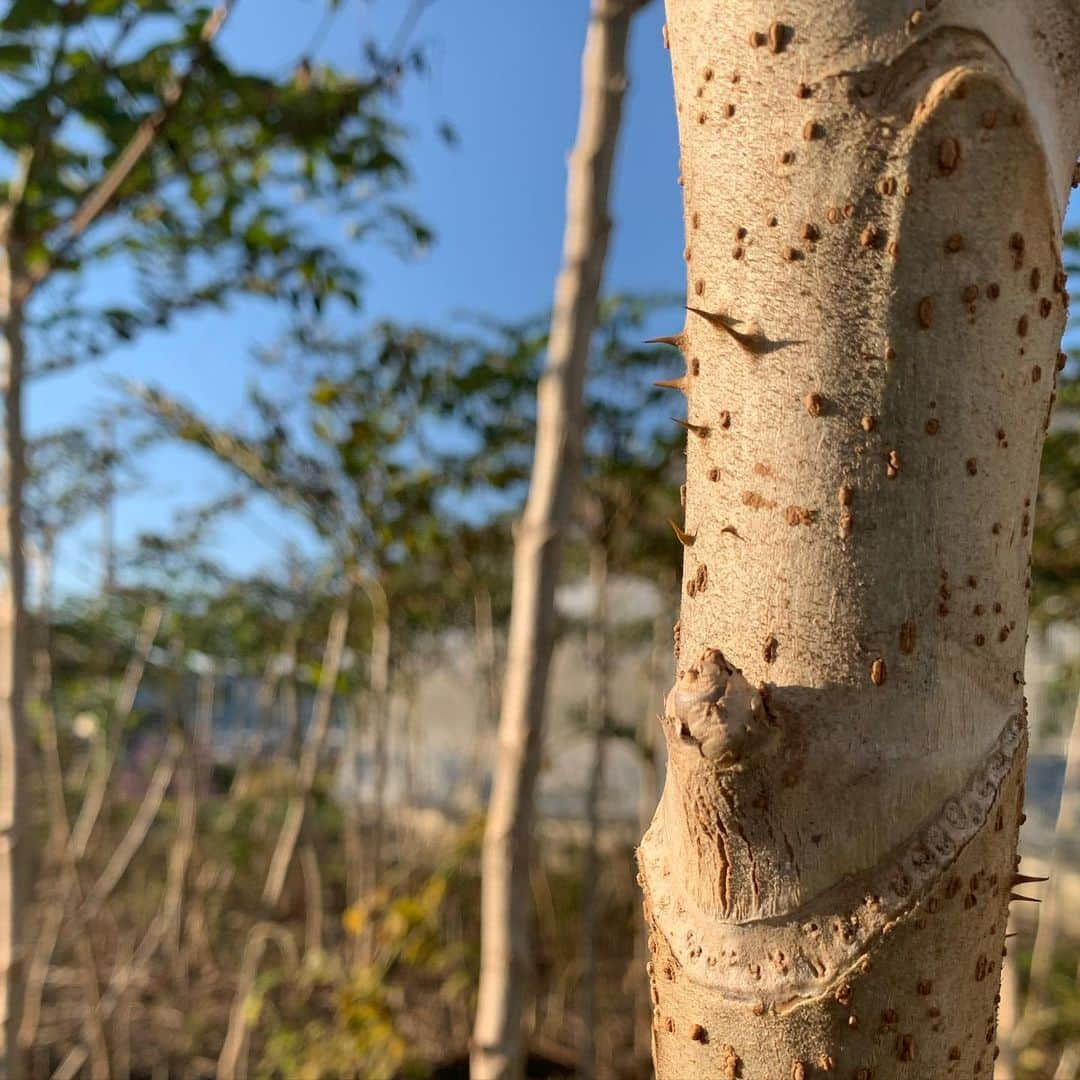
(505, 952)
(873, 199)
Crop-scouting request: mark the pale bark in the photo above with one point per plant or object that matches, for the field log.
(139, 829)
(873, 207)
(13, 856)
(314, 739)
(232, 1061)
(497, 1049)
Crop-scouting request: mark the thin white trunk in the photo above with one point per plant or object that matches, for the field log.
(232, 1061)
(315, 737)
(873, 204)
(13, 856)
(139, 828)
(498, 1048)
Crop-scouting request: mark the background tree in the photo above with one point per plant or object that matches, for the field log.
(153, 156)
(504, 967)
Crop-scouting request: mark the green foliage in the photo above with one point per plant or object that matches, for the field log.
(227, 197)
(404, 930)
(1055, 577)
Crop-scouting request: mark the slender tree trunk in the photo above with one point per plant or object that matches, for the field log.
(321, 712)
(139, 828)
(232, 1061)
(13, 856)
(599, 727)
(873, 204)
(505, 955)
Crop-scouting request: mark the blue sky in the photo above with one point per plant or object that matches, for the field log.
(505, 73)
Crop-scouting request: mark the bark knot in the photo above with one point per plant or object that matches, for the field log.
(713, 707)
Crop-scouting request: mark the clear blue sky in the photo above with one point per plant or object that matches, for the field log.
(505, 73)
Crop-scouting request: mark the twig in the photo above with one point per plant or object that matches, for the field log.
(96, 201)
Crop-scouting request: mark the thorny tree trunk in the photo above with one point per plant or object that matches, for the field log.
(13, 856)
(873, 204)
(599, 727)
(504, 960)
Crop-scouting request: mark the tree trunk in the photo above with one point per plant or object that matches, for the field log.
(13, 856)
(873, 205)
(308, 767)
(599, 727)
(504, 961)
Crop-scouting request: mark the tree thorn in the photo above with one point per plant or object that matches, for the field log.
(1024, 879)
(1029, 899)
(671, 384)
(684, 537)
(676, 340)
(752, 342)
(697, 429)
